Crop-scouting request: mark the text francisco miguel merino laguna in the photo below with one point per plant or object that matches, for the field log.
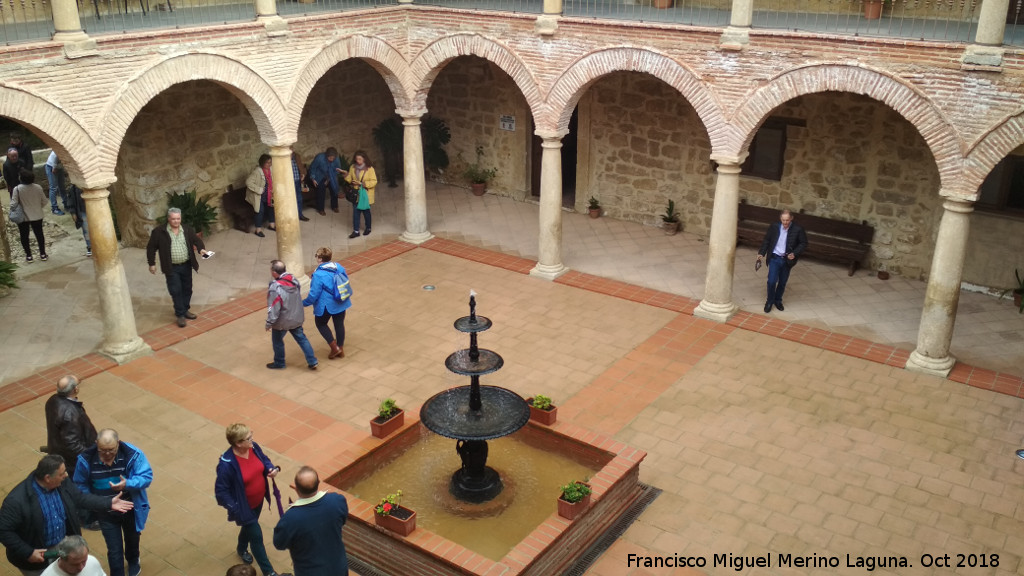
(738, 563)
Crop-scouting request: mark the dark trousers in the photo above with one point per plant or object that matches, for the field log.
(367, 217)
(37, 229)
(778, 275)
(122, 541)
(251, 537)
(322, 188)
(298, 195)
(179, 285)
(266, 212)
(339, 327)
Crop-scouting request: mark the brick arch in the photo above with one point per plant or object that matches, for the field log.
(381, 56)
(911, 103)
(250, 88)
(573, 83)
(75, 146)
(429, 63)
(989, 149)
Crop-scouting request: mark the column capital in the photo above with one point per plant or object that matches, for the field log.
(729, 159)
(411, 121)
(281, 151)
(957, 205)
(95, 193)
(100, 183)
(411, 112)
(551, 135)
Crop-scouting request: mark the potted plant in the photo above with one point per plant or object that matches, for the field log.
(542, 410)
(391, 515)
(872, 9)
(196, 211)
(594, 207)
(389, 136)
(670, 219)
(435, 134)
(389, 419)
(574, 500)
(477, 175)
(8, 282)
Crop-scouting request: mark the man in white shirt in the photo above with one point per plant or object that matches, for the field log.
(783, 244)
(73, 559)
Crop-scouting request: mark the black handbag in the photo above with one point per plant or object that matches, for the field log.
(352, 194)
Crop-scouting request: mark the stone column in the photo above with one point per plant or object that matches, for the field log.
(738, 31)
(416, 231)
(943, 292)
(121, 342)
(266, 12)
(66, 21)
(552, 6)
(286, 214)
(717, 303)
(549, 264)
(992, 22)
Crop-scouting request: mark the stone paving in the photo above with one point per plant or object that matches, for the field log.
(767, 436)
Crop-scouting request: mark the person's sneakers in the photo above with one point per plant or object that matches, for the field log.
(313, 366)
(94, 526)
(57, 212)
(303, 218)
(273, 366)
(190, 316)
(181, 322)
(354, 234)
(44, 257)
(28, 258)
(134, 570)
(245, 556)
(780, 306)
(88, 252)
(366, 232)
(260, 234)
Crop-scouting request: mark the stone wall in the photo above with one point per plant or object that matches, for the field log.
(471, 94)
(193, 135)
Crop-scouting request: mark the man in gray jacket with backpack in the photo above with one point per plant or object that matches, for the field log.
(285, 314)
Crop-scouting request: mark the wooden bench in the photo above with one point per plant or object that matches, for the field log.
(233, 204)
(827, 239)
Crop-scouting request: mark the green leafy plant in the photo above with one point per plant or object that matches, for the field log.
(389, 504)
(196, 211)
(435, 135)
(476, 173)
(593, 204)
(670, 216)
(389, 137)
(541, 402)
(388, 408)
(7, 277)
(575, 491)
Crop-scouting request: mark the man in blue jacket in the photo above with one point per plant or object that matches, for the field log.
(783, 244)
(311, 529)
(109, 467)
(323, 174)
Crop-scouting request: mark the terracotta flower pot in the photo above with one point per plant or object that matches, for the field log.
(545, 417)
(663, 3)
(401, 521)
(670, 228)
(384, 428)
(872, 9)
(570, 510)
(595, 212)
(479, 188)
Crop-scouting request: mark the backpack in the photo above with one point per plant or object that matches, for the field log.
(342, 290)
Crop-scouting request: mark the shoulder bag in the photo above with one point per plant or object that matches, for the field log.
(17, 212)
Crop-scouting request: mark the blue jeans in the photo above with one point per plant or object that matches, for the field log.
(251, 537)
(53, 179)
(298, 195)
(85, 230)
(367, 217)
(265, 212)
(179, 284)
(277, 339)
(778, 275)
(122, 541)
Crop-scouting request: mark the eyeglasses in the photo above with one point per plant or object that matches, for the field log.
(108, 450)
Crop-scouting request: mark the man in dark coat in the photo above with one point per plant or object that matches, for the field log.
(176, 243)
(69, 431)
(11, 170)
(24, 152)
(44, 508)
(783, 244)
(311, 529)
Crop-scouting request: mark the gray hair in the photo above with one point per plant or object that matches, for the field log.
(277, 267)
(107, 436)
(71, 545)
(67, 385)
(173, 211)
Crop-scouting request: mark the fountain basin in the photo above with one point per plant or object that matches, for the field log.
(549, 548)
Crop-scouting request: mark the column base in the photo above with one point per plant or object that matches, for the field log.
(415, 237)
(546, 25)
(935, 366)
(548, 271)
(734, 38)
(715, 312)
(274, 25)
(124, 352)
(76, 44)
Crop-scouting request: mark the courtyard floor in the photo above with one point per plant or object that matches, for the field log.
(795, 433)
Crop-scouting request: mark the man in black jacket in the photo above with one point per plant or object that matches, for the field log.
(31, 521)
(783, 244)
(11, 169)
(69, 431)
(177, 244)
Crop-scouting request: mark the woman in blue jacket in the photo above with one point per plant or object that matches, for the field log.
(328, 304)
(242, 486)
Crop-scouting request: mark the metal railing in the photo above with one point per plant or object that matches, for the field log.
(119, 16)
(518, 6)
(25, 20)
(1014, 35)
(946, 20)
(693, 12)
(304, 8)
